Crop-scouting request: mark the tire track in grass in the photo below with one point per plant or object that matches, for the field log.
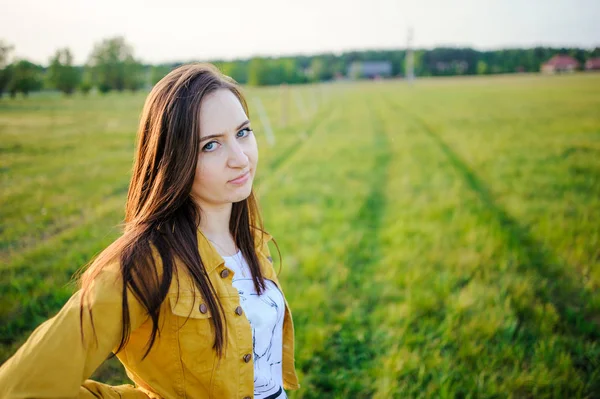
(532, 261)
(288, 159)
(416, 278)
(568, 296)
(63, 223)
(309, 130)
(38, 284)
(276, 163)
(343, 366)
(318, 191)
(29, 226)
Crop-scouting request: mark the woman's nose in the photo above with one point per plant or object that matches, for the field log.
(237, 156)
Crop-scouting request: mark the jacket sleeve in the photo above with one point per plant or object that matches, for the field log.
(56, 362)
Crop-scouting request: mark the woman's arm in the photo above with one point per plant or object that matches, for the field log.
(55, 362)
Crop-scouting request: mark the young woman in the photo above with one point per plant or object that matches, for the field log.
(187, 298)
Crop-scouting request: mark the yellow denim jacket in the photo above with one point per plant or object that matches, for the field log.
(54, 363)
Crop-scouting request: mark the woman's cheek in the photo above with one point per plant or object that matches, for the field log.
(252, 151)
(203, 171)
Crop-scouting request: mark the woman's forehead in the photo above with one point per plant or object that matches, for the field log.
(220, 112)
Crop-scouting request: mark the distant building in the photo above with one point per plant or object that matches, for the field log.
(560, 63)
(592, 64)
(370, 69)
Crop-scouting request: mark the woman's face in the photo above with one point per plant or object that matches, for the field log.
(228, 151)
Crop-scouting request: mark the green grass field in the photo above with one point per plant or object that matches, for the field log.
(440, 239)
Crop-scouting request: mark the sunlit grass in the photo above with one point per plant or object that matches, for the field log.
(439, 239)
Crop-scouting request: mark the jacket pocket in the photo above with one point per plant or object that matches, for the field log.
(187, 305)
(193, 327)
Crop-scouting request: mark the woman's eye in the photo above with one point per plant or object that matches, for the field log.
(210, 146)
(244, 132)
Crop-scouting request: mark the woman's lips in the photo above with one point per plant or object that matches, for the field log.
(242, 179)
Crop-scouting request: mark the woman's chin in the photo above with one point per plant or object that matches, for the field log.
(241, 194)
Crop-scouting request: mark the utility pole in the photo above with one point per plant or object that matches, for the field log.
(410, 57)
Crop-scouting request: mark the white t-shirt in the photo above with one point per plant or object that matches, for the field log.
(265, 313)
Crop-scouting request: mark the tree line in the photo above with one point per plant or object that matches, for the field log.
(112, 66)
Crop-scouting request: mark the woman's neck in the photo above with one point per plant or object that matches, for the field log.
(214, 224)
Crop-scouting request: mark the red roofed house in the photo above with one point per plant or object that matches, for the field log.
(592, 63)
(560, 63)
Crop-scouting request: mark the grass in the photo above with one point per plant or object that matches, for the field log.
(440, 239)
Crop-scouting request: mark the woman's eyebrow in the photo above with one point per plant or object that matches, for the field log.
(212, 136)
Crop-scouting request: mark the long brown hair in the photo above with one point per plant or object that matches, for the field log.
(160, 212)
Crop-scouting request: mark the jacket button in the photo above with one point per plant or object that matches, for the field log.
(239, 311)
(247, 357)
(224, 273)
(203, 308)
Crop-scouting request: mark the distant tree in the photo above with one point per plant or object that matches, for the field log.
(134, 74)
(157, 72)
(579, 55)
(85, 86)
(420, 68)
(528, 61)
(6, 77)
(291, 72)
(6, 69)
(447, 61)
(26, 77)
(482, 67)
(62, 74)
(5, 50)
(237, 70)
(276, 72)
(86, 83)
(318, 70)
(257, 72)
(113, 66)
(268, 71)
(338, 68)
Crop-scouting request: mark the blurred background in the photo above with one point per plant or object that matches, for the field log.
(430, 170)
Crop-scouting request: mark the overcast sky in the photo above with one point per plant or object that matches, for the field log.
(182, 30)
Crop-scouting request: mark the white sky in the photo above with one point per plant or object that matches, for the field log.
(183, 30)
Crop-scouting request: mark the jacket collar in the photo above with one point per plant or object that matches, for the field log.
(212, 259)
